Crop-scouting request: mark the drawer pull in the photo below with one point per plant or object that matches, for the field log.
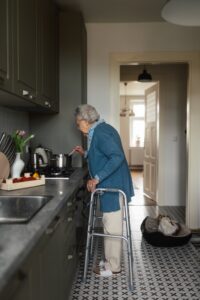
(25, 93)
(21, 275)
(47, 103)
(50, 230)
(31, 97)
(70, 256)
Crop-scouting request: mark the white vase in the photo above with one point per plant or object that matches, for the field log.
(17, 166)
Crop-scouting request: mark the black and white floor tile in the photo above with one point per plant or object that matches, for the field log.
(159, 273)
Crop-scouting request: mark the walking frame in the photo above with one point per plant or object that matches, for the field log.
(91, 230)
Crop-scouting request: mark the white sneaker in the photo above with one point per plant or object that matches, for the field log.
(102, 272)
(102, 263)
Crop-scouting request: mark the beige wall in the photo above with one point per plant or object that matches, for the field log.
(172, 124)
(111, 45)
(106, 39)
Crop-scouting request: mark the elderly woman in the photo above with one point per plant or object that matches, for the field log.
(108, 169)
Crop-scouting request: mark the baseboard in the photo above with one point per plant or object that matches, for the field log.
(136, 168)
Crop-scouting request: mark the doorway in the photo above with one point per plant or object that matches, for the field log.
(134, 98)
(193, 108)
(165, 175)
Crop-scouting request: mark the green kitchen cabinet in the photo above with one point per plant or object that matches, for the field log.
(25, 284)
(47, 75)
(68, 249)
(48, 272)
(29, 55)
(58, 256)
(5, 45)
(24, 48)
(18, 288)
(49, 261)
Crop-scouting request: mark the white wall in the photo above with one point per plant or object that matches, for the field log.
(107, 41)
(172, 124)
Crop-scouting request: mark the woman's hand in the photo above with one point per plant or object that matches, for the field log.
(91, 185)
(79, 149)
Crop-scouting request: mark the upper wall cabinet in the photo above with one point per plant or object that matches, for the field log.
(47, 76)
(5, 45)
(24, 47)
(28, 58)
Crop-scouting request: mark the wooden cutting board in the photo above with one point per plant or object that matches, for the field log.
(4, 167)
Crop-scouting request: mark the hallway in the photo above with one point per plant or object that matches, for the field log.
(159, 273)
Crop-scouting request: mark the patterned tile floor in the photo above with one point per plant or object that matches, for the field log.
(159, 273)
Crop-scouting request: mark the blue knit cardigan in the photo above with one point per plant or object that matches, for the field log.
(106, 159)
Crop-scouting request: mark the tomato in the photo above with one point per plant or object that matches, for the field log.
(16, 180)
(23, 179)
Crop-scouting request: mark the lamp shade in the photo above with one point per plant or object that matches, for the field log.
(144, 76)
(182, 12)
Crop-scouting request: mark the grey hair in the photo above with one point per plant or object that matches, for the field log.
(87, 112)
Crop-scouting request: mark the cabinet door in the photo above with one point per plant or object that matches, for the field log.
(50, 260)
(68, 251)
(24, 47)
(69, 260)
(25, 284)
(48, 43)
(17, 289)
(5, 45)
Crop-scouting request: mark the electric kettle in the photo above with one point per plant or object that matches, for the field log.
(43, 159)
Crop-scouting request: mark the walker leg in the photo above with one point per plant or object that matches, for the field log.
(86, 257)
(91, 232)
(130, 241)
(130, 263)
(129, 245)
(93, 225)
(88, 238)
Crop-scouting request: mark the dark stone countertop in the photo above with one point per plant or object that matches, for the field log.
(17, 240)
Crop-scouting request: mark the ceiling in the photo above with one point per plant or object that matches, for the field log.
(116, 11)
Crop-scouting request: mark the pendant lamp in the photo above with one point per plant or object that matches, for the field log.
(126, 110)
(144, 76)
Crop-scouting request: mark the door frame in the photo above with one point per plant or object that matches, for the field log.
(193, 106)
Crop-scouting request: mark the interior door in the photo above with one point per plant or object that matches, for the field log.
(150, 149)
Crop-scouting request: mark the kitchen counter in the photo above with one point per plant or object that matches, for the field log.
(17, 240)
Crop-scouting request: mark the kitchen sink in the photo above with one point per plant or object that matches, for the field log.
(20, 209)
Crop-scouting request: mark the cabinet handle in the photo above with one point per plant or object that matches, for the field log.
(70, 256)
(21, 275)
(46, 103)
(31, 97)
(50, 230)
(25, 93)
